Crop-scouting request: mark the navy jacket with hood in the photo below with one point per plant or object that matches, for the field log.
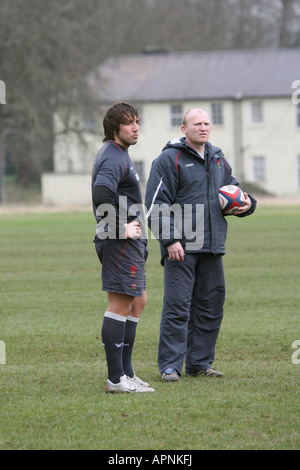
(180, 177)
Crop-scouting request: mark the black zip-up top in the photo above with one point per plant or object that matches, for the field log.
(181, 178)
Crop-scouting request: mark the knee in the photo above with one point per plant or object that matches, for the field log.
(138, 305)
(177, 309)
(119, 303)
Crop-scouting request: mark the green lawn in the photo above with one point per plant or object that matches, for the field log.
(51, 307)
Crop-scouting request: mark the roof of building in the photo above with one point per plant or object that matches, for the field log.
(222, 74)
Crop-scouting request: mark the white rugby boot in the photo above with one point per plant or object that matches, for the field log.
(125, 385)
(141, 385)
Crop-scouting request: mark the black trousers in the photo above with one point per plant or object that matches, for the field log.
(194, 295)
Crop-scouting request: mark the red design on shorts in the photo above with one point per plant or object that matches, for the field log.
(133, 270)
(118, 262)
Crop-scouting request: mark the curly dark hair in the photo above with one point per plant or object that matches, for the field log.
(116, 115)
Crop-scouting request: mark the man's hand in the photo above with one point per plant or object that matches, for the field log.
(176, 252)
(247, 205)
(133, 230)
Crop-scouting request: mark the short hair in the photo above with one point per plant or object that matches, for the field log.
(185, 116)
(116, 115)
(184, 121)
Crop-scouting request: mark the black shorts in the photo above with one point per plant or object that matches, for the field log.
(123, 266)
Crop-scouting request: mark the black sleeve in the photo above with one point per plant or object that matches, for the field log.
(252, 208)
(104, 195)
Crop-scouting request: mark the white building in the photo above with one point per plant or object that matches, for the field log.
(252, 97)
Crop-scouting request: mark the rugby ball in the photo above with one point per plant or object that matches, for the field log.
(230, 199)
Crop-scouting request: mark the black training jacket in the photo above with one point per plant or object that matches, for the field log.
(181, 178)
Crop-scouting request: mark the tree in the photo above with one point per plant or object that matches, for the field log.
(289, 23)
(44, 58)
(48, 48)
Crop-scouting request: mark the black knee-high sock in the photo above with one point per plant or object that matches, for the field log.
(113, 333)
(130, 332)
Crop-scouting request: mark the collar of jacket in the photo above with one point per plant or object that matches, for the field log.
(181, 144)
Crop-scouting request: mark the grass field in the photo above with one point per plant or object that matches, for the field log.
(52, 386)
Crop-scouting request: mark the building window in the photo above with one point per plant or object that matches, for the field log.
(217, 113)
(176, 115)
(140, 169)
(298, 115)
(257, 115)
(259, 169)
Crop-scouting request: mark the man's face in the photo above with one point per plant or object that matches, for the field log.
(128, 132)
(197, 128)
